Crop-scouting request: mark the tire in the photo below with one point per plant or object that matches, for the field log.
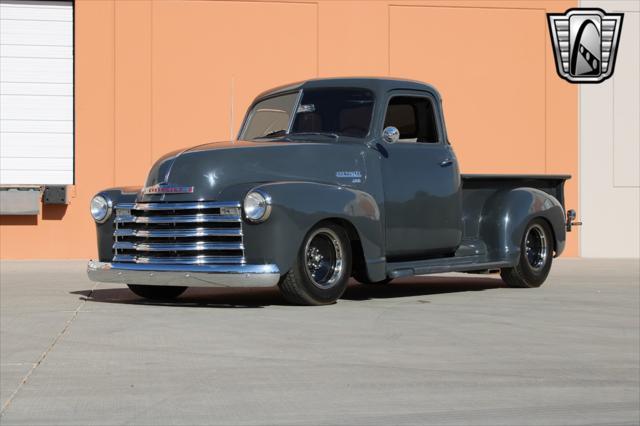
(322, 268)
(536, 257)
(157, 292)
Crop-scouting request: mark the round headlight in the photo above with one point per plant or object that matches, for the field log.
(101, 208)
(257, 206)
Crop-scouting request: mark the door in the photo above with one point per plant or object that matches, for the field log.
(421, 181)
(36, 92)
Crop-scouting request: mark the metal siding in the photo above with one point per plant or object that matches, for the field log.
(609, 153)
(36, 92)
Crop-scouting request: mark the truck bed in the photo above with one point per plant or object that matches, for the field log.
(481, 195)
(551, 184)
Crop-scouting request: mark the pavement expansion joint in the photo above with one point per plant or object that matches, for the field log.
(44, 355)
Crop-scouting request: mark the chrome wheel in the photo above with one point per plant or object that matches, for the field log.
(536, 247)
(324, 258)
(535, 259)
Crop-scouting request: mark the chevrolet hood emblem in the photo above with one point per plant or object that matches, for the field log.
(167, 188)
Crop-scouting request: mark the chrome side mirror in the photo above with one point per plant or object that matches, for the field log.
(391, 134)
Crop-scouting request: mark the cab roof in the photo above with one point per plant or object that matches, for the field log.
(378, 85)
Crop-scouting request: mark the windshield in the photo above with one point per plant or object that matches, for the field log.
(333, 112)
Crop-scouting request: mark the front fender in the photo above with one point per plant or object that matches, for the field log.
(506, 215)
(297, 207)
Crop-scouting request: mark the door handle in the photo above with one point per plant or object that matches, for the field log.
(446, 162)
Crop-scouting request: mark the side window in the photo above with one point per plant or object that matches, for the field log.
(414, 117)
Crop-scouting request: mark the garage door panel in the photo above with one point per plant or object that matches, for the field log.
(36, 145)
(36, 70)
(18, 107)
(45, 89)
(36, 126)
(34, 177)
(23, 51)
(491, 129)
(30, 25)
(26, 164)
(54, 11)
(40, 39)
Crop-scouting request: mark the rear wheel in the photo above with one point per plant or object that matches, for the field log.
(536, 256)
(322, 268)
(157, 292)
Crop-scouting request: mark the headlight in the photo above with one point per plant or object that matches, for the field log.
(257, 206)
(101, 208)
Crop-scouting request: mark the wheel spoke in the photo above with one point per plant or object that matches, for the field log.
(536, 247)
(323, 258)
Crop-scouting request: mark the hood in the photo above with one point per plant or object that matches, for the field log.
(224, 170)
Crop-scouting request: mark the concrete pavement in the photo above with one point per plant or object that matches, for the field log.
(456, 349)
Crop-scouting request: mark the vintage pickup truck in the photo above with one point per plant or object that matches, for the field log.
(328, 179)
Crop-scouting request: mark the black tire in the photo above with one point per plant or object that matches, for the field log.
(157, 292)
(322, 268)
(536, 257)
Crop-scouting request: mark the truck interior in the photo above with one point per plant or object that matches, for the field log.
(414, 118)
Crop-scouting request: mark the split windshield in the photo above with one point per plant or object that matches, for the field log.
(324, 112)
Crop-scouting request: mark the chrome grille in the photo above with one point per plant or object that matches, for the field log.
(178, 233)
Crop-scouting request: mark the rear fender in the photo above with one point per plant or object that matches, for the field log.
(506, 215)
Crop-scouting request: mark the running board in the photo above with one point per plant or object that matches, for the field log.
(442, 265)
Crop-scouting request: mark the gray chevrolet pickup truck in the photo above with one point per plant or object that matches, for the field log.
(328, 179)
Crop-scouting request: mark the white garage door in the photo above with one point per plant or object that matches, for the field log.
(36, 92)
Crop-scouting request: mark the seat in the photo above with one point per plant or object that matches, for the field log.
(355, 121)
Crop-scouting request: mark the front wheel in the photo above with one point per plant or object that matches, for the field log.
(536, 256)
(157, 292)
(322, 268)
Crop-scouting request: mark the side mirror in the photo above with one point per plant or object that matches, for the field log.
(391, 134)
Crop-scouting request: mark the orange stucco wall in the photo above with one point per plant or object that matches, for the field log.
(153, 76)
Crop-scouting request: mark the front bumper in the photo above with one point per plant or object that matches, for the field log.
(184, 275)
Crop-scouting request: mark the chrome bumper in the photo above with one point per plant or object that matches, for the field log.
(184, 275)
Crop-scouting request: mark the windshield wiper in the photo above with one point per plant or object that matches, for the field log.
(327, 134)
(285, 135)
(281, 132)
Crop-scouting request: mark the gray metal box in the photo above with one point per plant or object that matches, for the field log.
(55, 194)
